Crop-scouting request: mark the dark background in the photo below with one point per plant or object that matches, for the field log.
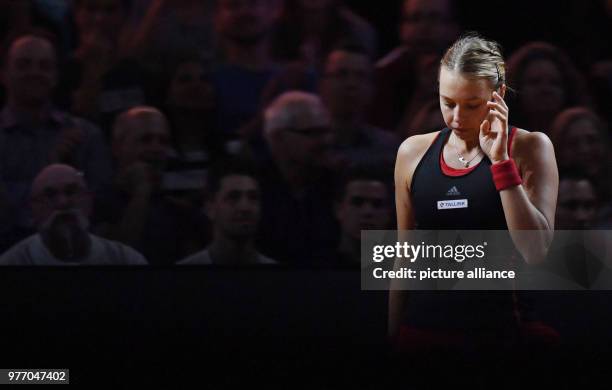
(298, 328)
(305, 328)
(511, 23)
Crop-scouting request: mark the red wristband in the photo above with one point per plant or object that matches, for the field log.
(505, 175)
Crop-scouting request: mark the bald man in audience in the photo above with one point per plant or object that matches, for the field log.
(61, 205)
(136, 211)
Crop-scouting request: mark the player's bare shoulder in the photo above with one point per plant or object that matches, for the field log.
(528, 145)
(410, 152)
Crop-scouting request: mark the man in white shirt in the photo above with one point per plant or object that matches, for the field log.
(61, 204)
(233, 208)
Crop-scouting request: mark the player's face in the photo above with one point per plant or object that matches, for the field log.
(463, 101)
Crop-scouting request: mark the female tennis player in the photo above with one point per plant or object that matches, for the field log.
(505, 178)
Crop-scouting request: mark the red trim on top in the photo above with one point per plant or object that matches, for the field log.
(450, 171)
(454, 172)
(510, 138)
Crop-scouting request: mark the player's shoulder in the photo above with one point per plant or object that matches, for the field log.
(533, 136)
(410, 153)
(417, 144)
(526, 141)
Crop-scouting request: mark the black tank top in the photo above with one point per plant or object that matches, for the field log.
(469, 201)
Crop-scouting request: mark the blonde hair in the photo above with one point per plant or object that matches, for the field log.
(476, 57)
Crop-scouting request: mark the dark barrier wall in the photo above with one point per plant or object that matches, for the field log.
(110, 325)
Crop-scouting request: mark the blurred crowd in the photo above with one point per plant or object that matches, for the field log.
(254, 131)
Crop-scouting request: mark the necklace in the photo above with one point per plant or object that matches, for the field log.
(462, 160)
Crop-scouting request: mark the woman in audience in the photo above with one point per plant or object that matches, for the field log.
(546, 82)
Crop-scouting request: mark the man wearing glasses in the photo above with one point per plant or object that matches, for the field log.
(297, 219)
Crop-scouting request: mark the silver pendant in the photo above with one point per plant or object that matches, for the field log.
(462, 160)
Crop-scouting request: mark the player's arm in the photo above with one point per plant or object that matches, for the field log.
(531, 205)
(408, 156)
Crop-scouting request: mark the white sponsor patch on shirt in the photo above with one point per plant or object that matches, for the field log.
(452, 204)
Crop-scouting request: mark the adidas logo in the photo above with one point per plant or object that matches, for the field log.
(453, 192)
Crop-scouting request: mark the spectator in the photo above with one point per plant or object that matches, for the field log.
(582, 143)
(244, 29)
(346, 90)
(362, 203)
(572, 254)
(30, 126)
(309, 30)
(99, 82)
(136, 211)
(406, 78)
(426, 120)
(546, 82)
(427, 27)
(172, 29)
(298, 224)
(61, 205)
(578, 204)
(15, 16)
(190, 104)
(233, 207)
